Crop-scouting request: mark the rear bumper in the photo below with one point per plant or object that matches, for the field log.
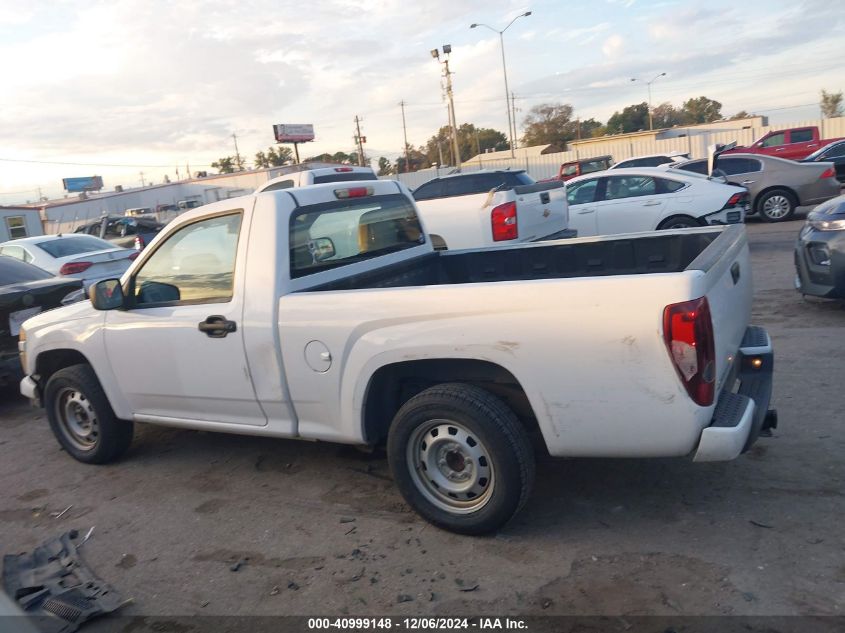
(742, 410)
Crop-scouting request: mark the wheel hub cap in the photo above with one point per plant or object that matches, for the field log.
(776, 207)
(450, 466)
(77, 419)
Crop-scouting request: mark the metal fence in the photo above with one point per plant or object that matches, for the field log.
(539, 167)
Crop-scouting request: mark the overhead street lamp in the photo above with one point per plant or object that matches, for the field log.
(648, 83)
(511, 120)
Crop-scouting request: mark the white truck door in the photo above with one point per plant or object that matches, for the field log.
(179, 351)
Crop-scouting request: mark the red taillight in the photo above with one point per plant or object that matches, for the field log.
(503, 221)
(134, 255)
(353, 192)
(688, 331)
(73, 268)
(734, 200)
(830, 172)
(343, 169)
(139, 243)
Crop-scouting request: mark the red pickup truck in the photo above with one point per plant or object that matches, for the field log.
(794, 143)
(580, 167)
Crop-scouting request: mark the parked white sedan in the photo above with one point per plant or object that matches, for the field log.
(83, 257)
(648, 199)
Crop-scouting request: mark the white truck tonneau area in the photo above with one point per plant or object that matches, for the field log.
(324, 313)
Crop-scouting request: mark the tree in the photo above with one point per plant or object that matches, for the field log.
(831, 104)
(225, 165)
(275, 157)
(701, 110)
(417, 159)
(632, 119)
(549, 124)
(666, 115)
(742, 114)
(338, 157)
(471, 141)
(384, 167)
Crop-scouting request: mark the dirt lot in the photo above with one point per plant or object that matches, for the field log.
(319, 529)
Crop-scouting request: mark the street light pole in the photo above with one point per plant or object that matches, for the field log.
(648, 83)
(511, 116)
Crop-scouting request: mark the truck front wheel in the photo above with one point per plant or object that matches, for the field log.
(460, 458)
(82, 418)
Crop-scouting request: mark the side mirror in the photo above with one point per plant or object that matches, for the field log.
(106, 294)
(321, 248)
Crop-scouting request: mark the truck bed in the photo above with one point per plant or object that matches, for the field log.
(664, 252)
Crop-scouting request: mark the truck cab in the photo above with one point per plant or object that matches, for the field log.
(575, 168)
(315, 174)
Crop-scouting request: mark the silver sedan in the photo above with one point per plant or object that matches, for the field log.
(776, 185)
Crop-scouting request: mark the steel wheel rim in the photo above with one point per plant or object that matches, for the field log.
(776, 207)
(77, 419)
(450, 466)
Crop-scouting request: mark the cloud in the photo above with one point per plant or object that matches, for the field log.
(612, 46)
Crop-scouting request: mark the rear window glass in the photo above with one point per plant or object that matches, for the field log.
(472, 184)
(344, 177)
(333, 234)
(698, 167)
(589, 167)
(732, 166)
(13, 271)
(73, 245)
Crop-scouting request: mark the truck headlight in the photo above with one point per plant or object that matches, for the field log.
(827, 225)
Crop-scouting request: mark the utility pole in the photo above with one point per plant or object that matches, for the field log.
(143, 184)
(513, 109)
(405, 135)
(187, 170)
(450, 102)
(238, 161)
(578, 129)
(456, 153)
(359, 140)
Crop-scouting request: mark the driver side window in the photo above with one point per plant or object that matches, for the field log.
(194, 265)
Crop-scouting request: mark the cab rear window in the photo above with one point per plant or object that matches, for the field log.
(334, 234)
(343, 177)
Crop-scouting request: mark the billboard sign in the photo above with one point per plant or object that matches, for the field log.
(83, 183)
(293, 133)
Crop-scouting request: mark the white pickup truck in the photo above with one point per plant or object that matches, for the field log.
(492, 208)
(305, 174)
(323, 313)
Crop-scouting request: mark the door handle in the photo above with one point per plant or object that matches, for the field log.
(586, 211)
(780, 149)
(217, 326)
(813, 145)
(651, 203)
(748, 182)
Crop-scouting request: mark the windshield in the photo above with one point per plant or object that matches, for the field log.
(65, 246)
(338, 233)
(13, 271)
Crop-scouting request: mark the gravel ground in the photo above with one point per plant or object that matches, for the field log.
(320, 529)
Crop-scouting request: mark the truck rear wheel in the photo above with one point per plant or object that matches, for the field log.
(82, 418)
(460, 458)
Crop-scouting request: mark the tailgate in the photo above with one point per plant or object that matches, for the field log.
(541, 209)
(726, 282)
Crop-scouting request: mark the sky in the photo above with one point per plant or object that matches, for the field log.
(125, 86)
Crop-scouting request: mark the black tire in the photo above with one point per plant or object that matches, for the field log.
(499, 452)
(94, 435)
(776, 205)
(678, 222)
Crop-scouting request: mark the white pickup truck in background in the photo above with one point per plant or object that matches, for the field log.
(492, 208)
(305, 174)
(323, 313)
